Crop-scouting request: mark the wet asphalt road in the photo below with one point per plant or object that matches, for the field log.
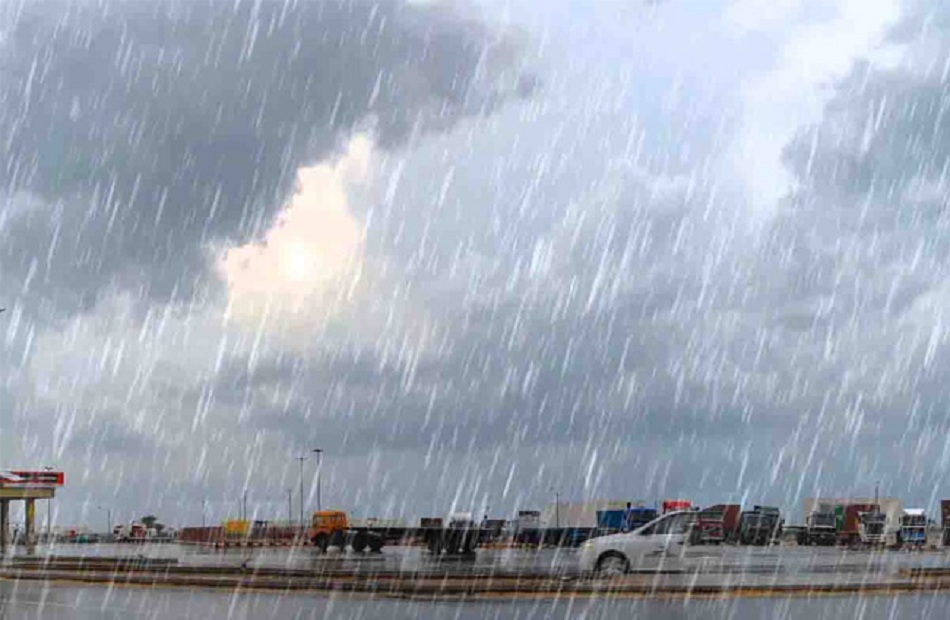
(768, 563)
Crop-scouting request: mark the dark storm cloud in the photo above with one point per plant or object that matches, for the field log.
(154, 128)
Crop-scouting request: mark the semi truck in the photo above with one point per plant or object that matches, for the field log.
(331, 528)
(913, 530)
(459, 537)
(820, 529)
(624, 519)
(848, 519)
(729, 516)
(873, 527)
(710, 527)
(945, 522)
(760, 526)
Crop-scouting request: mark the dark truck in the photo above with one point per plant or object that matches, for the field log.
(760, 526)
(820, 529)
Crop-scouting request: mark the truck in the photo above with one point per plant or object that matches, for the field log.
(459, 537)
(527, 528)
(760, 526)
(872, 527)
(135, 532)
(945, 522)
(710, 528)
(331, 528)
(820, 529)
(623, 520)
(848, 518)
(730, 515)
(913, 530)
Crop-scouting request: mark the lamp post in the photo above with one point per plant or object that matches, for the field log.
(290, 506)
(319, 453)
(301, 459)
(108, 518)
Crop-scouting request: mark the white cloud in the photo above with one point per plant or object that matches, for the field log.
(816, 52)
(313, 254)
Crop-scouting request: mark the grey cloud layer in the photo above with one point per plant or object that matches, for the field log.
(155, 128)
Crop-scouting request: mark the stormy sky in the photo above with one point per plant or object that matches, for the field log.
(479, 252)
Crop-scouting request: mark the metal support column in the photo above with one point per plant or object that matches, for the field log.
(4, 524)
(30, 522)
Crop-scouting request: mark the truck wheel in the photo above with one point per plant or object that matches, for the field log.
(375, 543)
(321, 542)
(359, 542)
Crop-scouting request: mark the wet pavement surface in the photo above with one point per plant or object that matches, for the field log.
(754, 563)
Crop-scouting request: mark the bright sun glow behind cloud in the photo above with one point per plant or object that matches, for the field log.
(312, 255)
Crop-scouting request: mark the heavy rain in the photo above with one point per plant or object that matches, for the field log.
(475, 308)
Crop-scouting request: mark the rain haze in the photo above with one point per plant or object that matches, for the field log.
(478, 252)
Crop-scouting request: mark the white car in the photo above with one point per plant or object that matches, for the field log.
(616, 554)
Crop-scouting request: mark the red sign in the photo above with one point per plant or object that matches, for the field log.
(670, 505)
(31, 479)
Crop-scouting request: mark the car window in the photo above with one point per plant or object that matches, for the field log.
(673, 525)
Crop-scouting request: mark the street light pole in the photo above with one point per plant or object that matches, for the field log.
(319, 453)
(301, 459)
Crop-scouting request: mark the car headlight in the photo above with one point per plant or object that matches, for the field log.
(587, 545)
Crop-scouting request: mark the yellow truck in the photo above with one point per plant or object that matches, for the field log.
(331, 528)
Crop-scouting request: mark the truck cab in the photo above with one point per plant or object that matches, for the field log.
(328, 528)
(820, 529)
(760, 526)
(873, 527)
(913, 530)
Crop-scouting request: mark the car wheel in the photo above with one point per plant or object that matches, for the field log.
(612, 564)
